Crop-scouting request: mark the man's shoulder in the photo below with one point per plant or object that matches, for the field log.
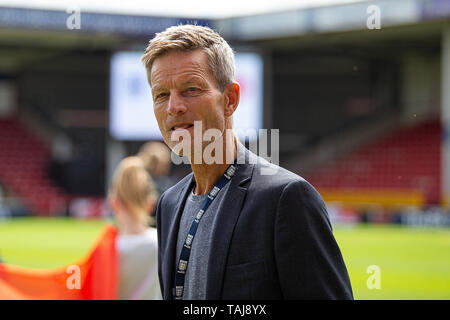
(270, 175)
(277, 180)
(286, 187)
(174, 191)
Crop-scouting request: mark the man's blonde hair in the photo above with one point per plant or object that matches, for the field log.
(193, 37)
(132, 186)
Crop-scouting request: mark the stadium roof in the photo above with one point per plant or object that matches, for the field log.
(235, 19)
(200, 9)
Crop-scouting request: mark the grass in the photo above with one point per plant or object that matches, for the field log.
(42, 243)
(414, 263)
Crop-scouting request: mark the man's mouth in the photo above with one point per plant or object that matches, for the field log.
(184, 126)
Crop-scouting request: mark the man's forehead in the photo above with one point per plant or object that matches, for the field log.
(176, 59)
(182, 65)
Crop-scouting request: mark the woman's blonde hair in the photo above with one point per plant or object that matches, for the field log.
(156, 157)
(132, 186)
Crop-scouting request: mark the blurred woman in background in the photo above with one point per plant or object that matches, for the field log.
(157, 161)
(132, 197)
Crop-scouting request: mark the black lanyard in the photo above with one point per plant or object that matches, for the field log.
(186, 250)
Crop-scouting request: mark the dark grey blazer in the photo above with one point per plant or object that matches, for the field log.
(273, 238)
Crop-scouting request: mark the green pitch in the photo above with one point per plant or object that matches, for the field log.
(413, 263)
(45, 243)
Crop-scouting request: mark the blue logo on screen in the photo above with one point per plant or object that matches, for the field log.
(134, 85)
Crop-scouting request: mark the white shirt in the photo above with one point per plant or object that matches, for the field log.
(138, 268)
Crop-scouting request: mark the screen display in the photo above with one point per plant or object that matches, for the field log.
(131, 107)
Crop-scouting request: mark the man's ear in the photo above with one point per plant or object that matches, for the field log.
(232, 94)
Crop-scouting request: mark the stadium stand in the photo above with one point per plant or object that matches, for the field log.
(23, 162)
(402, 167)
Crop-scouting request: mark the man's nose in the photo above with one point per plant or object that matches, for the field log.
(176, 105)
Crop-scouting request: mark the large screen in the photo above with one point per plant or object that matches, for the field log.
(131, 107)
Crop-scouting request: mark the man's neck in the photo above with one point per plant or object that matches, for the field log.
(206, 175)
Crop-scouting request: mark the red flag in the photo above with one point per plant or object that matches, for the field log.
(93, 277)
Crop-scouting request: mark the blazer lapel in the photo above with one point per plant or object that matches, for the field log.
(170, 259)
(227, 217)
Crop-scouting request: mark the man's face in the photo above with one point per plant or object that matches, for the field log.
(184, 91)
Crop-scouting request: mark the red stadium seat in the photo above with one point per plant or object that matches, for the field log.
(23, 162)
(409, 159)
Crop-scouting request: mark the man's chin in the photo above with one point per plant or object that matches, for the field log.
(181, 149)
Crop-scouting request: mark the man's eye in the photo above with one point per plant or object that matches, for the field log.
(160, 95)
(192, 89)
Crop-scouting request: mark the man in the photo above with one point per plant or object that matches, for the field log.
(230, 230)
